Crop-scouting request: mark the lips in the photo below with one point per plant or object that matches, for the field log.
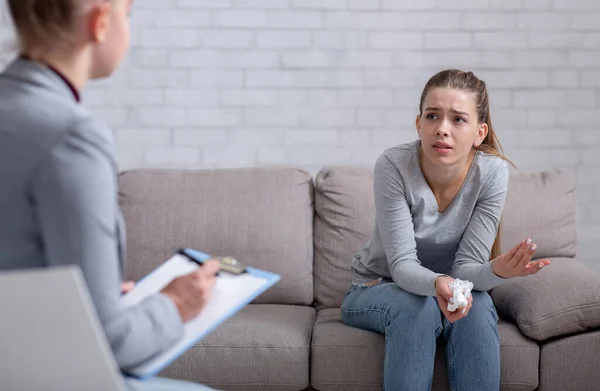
(442, 145)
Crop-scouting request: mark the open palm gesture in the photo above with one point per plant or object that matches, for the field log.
(517, 262)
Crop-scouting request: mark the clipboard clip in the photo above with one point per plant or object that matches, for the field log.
(231, 265)
(228, 264)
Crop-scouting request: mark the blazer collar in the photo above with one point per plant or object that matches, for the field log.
(41, 75)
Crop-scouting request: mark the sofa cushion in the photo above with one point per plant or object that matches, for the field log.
(344, 219)
(559, 371)
(263, 347)
(541, 206)
(347, 358)
(262, 216)
(561, 299)
(344, 213)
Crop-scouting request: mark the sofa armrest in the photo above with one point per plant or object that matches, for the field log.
(562, 299)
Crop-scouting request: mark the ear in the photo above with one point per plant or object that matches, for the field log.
(482, 133)
(418, 125)
(99, 21)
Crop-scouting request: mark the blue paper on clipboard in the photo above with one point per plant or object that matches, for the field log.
(231, 293)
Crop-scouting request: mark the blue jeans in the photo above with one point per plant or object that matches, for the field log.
(161, 384)
(411, 325)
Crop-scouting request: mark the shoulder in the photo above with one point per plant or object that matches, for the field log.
(36, 120)
(82, 158)
(491, 167)
(87, 144)
(491, 173)
(398, 158)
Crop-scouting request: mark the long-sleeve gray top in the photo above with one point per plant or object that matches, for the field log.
(413, 243)
(59, 205)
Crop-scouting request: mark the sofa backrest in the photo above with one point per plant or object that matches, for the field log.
(539, 205)
(263, 217)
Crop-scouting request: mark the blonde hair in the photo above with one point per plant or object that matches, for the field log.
(468, 82)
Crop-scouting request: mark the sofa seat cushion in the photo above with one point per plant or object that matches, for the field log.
(263, 347)
(347, 358)
(571, 363)
(562, 299)
(262, 216)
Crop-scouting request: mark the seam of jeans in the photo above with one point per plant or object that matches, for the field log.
(432, 367)
(432, 357)
(375, 310)
(365, 310)
(449, 359)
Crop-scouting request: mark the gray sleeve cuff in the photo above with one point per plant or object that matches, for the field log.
(170, 320)
(492, 277)
(481, 275)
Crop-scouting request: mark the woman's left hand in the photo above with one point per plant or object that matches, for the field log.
(127, 286)
(518, 261)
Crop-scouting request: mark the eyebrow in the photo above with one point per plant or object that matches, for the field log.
(452, 110)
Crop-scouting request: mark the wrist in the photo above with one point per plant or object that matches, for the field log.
(179, 305)
(496, 271)
(436, 280)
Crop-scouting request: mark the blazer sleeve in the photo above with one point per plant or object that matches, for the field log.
(75, 196)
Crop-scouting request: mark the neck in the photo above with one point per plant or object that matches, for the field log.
(73, 65)
(441, 178)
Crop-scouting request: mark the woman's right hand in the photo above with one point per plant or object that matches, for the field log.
(443, 294)
(191, 292)
(517, 262)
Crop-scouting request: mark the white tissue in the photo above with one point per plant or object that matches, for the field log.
(461, 291)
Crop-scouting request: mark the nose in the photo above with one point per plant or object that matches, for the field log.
(442, 131)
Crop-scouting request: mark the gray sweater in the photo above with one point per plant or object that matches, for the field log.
(58, 205)
(413, 243)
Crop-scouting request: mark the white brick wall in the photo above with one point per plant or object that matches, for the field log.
(228, 83)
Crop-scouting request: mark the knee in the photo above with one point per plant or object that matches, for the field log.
(412, 308)
(483, 312)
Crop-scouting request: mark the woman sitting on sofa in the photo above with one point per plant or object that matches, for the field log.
(438, 204)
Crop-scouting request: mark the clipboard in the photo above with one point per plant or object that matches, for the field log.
(236, 286)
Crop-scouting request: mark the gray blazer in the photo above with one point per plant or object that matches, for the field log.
(59, 205)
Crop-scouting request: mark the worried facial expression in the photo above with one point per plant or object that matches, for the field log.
(449, 126)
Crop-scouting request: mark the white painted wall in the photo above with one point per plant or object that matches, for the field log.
(229, 83)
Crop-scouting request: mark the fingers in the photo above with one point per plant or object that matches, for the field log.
(527, 256)
(450, 316)
(458, 314)
(465, 311)
(455, 316)
(513, 251)
(211, 267)
(535, 267)
(516, 260)
(127, 286)
(446, 292)
(544, 262)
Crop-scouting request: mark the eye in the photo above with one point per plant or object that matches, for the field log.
(460, 120)
(431, 116)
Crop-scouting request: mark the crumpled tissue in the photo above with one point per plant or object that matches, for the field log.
(461, 291)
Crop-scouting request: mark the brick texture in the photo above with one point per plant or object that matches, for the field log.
(233, 83)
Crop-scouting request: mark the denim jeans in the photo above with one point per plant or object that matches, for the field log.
(411, 325)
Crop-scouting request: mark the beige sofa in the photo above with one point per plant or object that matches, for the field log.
(291, 337)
